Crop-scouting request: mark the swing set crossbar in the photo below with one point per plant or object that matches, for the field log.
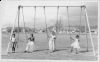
(53, 6)
(82, 6)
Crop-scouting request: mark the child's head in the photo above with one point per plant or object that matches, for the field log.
(77, 36)
(31, 35)
(53, 33)
(13, 35)
(13, 31)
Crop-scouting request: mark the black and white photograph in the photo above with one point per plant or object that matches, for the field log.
(65, 30)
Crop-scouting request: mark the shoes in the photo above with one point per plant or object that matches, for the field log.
(25, 51)
(77, 53)
(52, 51)
(13, 51)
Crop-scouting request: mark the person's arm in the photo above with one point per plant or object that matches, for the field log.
(33, 39)
(16, 42)
(54, 37)
(10, 37)
(29, 39)
(78, 40)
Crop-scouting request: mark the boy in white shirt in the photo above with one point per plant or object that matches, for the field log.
(13, 43)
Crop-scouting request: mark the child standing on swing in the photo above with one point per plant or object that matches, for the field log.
(75, 45)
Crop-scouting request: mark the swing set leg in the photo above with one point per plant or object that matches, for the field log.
(8, 48)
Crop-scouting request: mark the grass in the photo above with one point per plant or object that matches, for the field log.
(41, 43)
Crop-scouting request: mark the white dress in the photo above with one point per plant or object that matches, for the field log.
(51, 43)
(75, 44)
(30, 46)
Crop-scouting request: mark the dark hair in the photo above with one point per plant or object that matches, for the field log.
(32, 35)
(13, 35)
(77, 36)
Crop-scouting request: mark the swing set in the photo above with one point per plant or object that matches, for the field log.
(83, 7)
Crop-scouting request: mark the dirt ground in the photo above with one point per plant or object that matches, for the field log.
(41, 51)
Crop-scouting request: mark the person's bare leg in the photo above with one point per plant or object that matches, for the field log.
(53, 46)
(27, 47)
(9, 45)
(76, 51)
(71, 49)
(13, 48)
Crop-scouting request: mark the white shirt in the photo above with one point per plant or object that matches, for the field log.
(12, 39)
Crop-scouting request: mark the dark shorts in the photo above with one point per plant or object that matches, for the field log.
(14, 44)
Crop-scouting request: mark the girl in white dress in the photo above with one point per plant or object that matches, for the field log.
(52, 43)
(30, 45)
(75, 45)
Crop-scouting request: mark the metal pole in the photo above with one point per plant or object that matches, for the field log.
(57, 20)
(24, 24)
(45, 22)
(68, 26)
(86, 34)
(18, 20)
(56, 6)
(90, 32)
(80, 24)
(80, 21)
(56, 26)
(34, 17)
(14, 24)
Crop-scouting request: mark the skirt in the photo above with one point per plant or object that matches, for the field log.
(51, 45)
(30, 47)
(75, 45)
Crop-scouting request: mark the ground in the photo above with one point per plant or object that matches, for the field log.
(62, 48)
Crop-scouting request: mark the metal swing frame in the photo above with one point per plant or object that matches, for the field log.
(82, 6)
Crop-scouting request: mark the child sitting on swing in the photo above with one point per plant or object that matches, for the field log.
(30, 45)
(52, 42)
(75, 45)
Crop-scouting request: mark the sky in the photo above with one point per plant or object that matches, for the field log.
(9, 10)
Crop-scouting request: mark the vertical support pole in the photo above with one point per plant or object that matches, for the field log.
(14, 24)
(45, 22)
(68, 25)
(23, 18)
(18, 19)
(91, 39)
(80, 23)
(86, 34)
(57, 21)
(57, 29)
(34, 17)
(80, 20)
(24, 25)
